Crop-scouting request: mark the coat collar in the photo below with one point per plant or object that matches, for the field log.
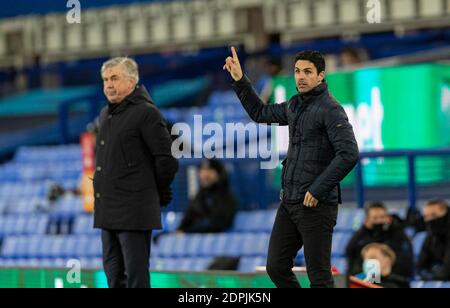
(138, 96)
(307, 98)
(321, 88)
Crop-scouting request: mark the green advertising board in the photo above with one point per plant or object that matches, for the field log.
(391, 108)
(46, 278)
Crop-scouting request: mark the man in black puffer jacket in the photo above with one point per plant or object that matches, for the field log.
(322, 152)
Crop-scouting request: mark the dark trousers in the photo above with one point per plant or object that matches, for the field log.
(297, 226)
(126, 258)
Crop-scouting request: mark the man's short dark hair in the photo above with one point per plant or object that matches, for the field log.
(375, 205)
(312, 56)
(439, 202)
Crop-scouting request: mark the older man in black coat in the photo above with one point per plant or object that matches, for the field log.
(134, 171)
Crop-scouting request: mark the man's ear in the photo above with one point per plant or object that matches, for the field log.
(132, 83)
(322, 76)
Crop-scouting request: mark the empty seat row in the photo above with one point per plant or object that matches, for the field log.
(23, 224)
(255, 221)
(24, 172)
(84, 224)
(48, 246)
(22, 190)
(50, 153)
(156, 264)
(430, 285)
(225, 244)
(51, 263)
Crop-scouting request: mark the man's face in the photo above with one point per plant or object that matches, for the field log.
(377, 217)
(306, 76)
(208, 177)
(433, 212)
(116, 84)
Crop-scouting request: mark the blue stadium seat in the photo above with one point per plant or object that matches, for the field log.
(84, 224)
(240, 221)
(349, 220)
(340, 242)
(430, 285)
(220, 244)
(255, 221)
(255, 245)
(23, 224)
(37, 224)
(171, 221)
(169, 264)
(180, 245)
(70, 247)
(222, 98)
(235, 245)
(185, 264)
(92, 263)
(165, 246)
(259, 222)
(9, 247)
(193, 249)
(206, 245)
(269, 220)
(341, 264)
(249, 264)
(44, 251)
(56, 246)
(300, 258)
(53, 263)
(418, 242)
(201, 264)
(93, 246)
(21, 247)
(10, 225)
(69, 206)
(3, 205)
(34, 246)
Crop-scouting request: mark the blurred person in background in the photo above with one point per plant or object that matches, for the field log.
(434, 260)
(387, 260)
(380, 227)
(272, 68)
(214, 207)
(134, 171)
(351, 57)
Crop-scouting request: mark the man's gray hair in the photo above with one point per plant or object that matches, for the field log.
(129, 65)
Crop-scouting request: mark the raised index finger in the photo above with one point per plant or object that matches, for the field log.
(234, 53)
